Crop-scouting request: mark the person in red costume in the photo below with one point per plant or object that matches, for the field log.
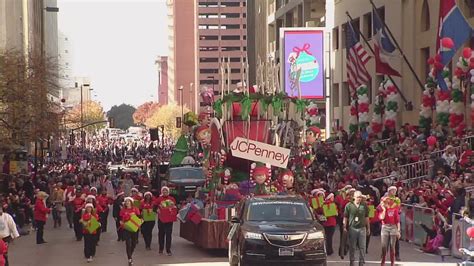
(390, 217)
(91, 199)
(90, 237)
(103, 201)
(3, 252)
(40, 215)
(78, 204)
(147, 209)
(166, 216)
(131, 238)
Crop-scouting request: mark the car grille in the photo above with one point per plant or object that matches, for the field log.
(285, 240)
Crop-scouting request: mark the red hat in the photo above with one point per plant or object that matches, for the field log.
(260, 170)
(316, 131)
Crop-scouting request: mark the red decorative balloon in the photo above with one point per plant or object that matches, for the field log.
(447, 42)
(437, 58)
(466, 52)
(430, 61)
(431, 140)
(470, 232)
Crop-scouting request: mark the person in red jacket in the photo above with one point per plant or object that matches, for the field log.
(40, 215)
(3, 252)
(90, 235)
(78, 204)
(166, 216)
(97, 209)
(131, 238)
(147, 208)
(103, 201)
(390, 217)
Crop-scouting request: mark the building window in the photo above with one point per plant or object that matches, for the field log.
(356, 25)
(235, 59)
(335, 95)
(346, 99)
(367, 30)
(470, 7)
(425, 55)
(208, 60)
(235, 70)
(343, 34)
(66, 51)
(381, 12)
(425, 16)
(208, 71)
(230, 37)
(335, 38)
(208, 37)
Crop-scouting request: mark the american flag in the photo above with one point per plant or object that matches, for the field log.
(357, 57)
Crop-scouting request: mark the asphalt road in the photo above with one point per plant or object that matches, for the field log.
(63, 249)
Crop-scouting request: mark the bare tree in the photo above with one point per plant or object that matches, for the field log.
(26, 110)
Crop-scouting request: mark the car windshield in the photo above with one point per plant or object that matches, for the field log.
(278, 211)
(186, 173)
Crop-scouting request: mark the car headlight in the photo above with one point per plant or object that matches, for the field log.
(316, 235)
(251, 235)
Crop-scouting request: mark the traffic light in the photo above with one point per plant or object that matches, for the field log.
(72, 139)
(111, 122)
(154, 134)
(178, 122)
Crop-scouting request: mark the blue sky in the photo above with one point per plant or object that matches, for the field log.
(115, 43)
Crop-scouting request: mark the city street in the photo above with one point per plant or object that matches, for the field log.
(62, 249)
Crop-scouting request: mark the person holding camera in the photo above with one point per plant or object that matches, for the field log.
(389, 215)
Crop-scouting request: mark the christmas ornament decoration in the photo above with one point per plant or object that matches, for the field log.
(363, 106)
(443, 99)
(312, 116)
(391, 108)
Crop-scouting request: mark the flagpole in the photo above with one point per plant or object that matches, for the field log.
(373, 53)
(422, 87)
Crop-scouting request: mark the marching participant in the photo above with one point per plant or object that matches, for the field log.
(149, 217)
(330, 212)
(91, 226)
(78, 203)
(130, 222)
(166, 216)
(103, 201)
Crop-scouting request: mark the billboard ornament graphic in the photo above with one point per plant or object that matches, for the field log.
(304, 62)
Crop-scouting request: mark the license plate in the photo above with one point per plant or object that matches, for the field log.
(286, 252)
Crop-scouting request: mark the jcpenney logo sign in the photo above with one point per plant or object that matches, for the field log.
(260, 152)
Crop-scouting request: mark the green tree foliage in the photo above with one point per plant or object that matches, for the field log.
(123, 115)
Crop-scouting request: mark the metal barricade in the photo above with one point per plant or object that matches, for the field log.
(470, 141)
(459, 236)
(413, 170)
(411, 220)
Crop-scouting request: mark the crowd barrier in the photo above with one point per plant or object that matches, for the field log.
(459, 238)
(411, 218)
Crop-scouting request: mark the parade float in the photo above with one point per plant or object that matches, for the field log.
(253, 140)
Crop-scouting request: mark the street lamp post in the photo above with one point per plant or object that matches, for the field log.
(191, 105)
(181, 102)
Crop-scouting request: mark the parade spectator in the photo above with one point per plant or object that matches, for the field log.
(8, 232)
(40, 215)
(57, 201)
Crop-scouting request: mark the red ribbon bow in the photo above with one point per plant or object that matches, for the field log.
(305, 48)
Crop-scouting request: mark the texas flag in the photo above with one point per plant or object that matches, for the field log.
(385, 50)
(453, 31)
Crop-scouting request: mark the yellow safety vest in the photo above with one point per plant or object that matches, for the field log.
(330, 209)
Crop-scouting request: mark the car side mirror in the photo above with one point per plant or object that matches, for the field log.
(235, 220)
